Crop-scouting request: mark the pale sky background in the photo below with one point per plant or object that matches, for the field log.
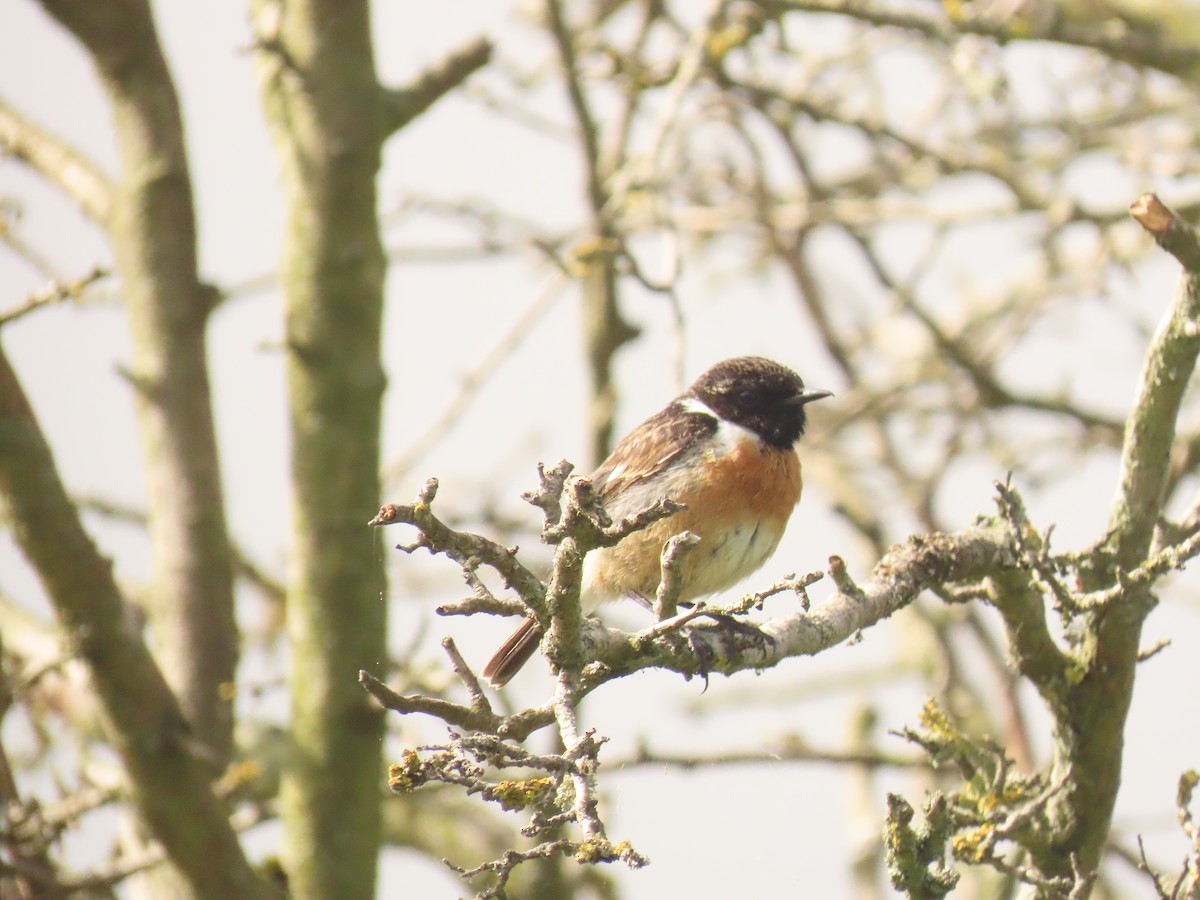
(767, 831)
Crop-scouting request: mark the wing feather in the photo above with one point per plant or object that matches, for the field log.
(649, 450)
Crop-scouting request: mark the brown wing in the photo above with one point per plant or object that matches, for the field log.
(649, 449)
(621, 481)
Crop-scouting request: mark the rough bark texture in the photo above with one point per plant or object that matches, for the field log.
(326, 114)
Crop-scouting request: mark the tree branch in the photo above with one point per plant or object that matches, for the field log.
(56, 291)
(907, 570)
(1022, 605)
(75, 175)
(1170, 361)
(402, 105)
(1141, 48)
(1089, 740)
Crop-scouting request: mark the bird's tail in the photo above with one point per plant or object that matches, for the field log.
(513, 653)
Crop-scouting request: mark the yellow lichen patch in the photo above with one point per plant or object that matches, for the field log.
(955, 10)
(971, 845)
(407, 775)
(595, 849)
(1183, 794)
(626, 853)
(989, 801)
(934, 719)
(515, 796)
(599, 850)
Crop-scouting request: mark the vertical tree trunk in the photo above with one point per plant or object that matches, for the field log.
(152, 228)
(324, 108)
(151, 225)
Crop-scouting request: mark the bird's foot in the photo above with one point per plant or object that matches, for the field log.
(733, 636)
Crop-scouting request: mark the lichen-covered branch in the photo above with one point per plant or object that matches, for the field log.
(472, 763)
(1020, 595)
(322, 104)
(1102, 597)
(585, 655)
(906, 571)
(1090, 735)
(466, 549)
(1170, 362)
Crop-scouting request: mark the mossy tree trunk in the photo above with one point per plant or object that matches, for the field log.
(324, 108)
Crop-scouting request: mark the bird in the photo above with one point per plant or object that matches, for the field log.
(726, 449)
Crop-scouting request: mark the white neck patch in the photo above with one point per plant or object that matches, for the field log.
(695, 405)
(729, 434)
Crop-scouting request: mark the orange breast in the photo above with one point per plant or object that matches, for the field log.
(739, 510)
(753, 482)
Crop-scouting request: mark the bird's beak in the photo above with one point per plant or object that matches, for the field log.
(807, 396)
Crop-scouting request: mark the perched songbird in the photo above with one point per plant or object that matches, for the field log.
(726, 448)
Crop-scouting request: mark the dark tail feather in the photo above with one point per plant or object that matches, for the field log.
(513, 653)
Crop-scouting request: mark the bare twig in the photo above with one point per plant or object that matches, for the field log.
(792, 750)
(55, 292)
(470, 681)
(463, 547)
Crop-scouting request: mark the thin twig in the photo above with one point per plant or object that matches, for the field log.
(57, 291)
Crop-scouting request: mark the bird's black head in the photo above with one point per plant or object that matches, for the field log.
(758, 394)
